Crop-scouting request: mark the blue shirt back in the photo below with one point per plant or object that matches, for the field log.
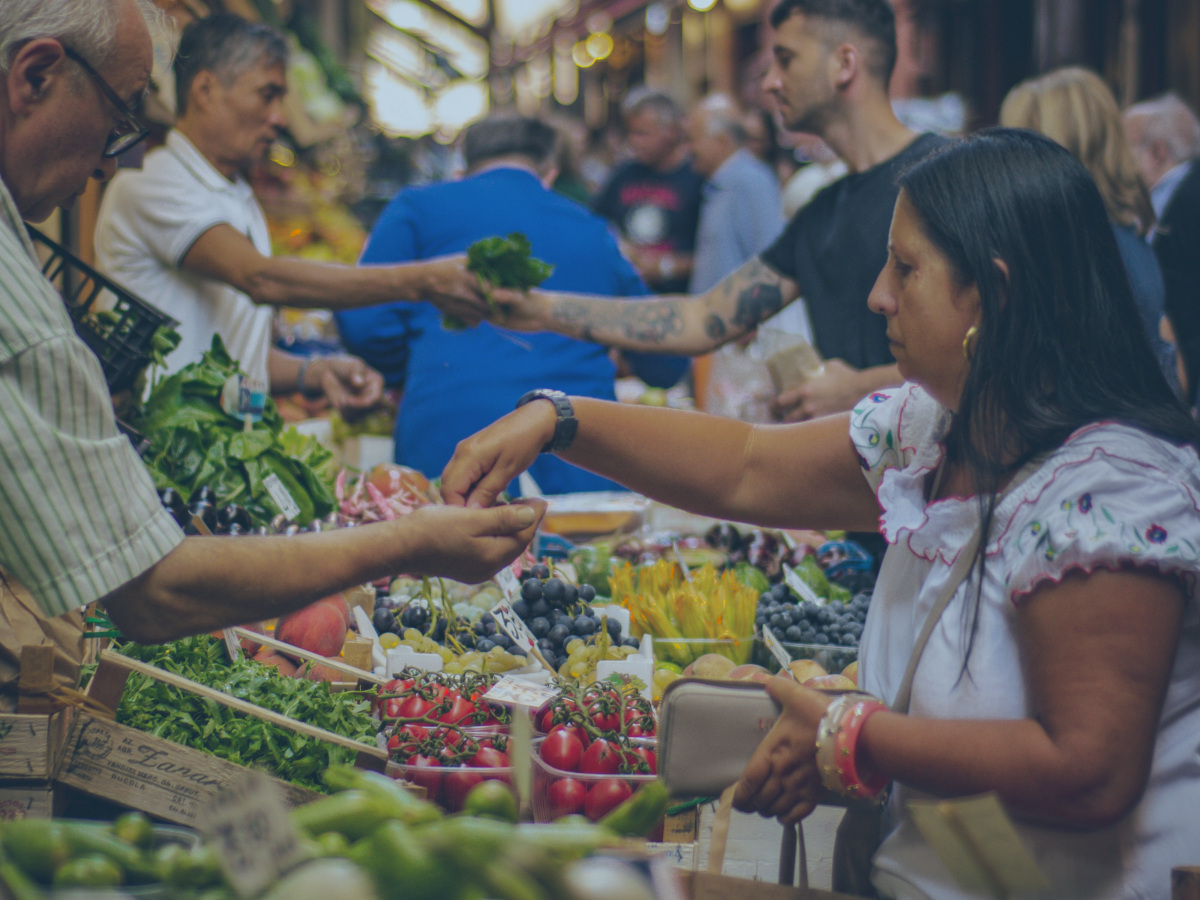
(457, 383)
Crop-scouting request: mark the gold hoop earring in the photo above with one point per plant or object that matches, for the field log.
(972, 333)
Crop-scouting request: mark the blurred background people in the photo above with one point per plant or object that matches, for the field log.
(1166, 140)
(1075, 108)
(741, 213)
(187, 232)
(654, 198)
(458, 381)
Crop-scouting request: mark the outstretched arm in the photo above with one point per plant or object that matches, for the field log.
(792, 476)
(688, 325)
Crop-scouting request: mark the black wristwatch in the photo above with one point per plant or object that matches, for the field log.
(567, 424)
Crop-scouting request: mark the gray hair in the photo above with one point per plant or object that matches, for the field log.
(227, 46)
(722, 116)
(641, 99)
(89, 27)
(1170, 120)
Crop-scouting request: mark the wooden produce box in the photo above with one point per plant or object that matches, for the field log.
(28, 800)
(136, 769)
(30, 745)
(706, 886)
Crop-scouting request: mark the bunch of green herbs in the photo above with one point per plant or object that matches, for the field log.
(195, 443)
(203, 724)
(505, 262)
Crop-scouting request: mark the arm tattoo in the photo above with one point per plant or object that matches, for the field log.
(599, 321)
(714, 327)
(756, 303)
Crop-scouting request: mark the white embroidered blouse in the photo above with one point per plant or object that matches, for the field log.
(1112, 496)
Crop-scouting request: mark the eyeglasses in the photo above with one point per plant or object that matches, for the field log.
(130, 129)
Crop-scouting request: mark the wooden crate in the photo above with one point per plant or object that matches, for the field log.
(165, 779)
(30, 745)
(144, 772)
(32, 800)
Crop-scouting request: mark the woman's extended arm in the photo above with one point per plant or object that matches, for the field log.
(792, 476)
(1097, 652)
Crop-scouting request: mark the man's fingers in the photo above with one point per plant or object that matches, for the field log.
(516, 517)
(487, 489)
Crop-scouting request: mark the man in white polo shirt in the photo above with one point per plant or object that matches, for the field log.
(187, 234)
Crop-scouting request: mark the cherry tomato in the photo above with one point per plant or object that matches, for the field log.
(605, 721)
(398, 686)
(460, 713)
(601, 758)
(646, 754)
(641, 728)
(566, 797)
(539, 717)
(413, 707)
(489, 758)
(448, 736)
(456, 784)
(562, 750)
(605, 796)
(580, 734)
(391, 708)
(422, 774)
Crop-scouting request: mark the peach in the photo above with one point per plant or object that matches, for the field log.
(804, 669)
(745, 672)
(830, 683)
(713, 665)
(851, 672)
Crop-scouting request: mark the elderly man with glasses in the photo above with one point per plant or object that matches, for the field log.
(79, 517)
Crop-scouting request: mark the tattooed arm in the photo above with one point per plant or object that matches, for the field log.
(687, 325)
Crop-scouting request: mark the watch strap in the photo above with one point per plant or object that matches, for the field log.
(565, 425)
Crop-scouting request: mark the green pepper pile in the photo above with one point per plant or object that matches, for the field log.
(194, 442)
(203, 724)
(505, 263)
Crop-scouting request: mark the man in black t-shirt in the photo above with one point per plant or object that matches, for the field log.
(830, 70)
(654, 199)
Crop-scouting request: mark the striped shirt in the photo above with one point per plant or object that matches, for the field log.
(79, 516)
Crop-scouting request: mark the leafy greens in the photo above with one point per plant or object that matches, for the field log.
(506, 263)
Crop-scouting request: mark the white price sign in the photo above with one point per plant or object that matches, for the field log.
(776, 648)
(509, 622)
(797, 584)
(253, 837)
(508, 584)
(518, 692)
(283, 499)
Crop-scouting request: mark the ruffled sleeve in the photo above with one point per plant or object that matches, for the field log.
(891, 429)
(1116, 498)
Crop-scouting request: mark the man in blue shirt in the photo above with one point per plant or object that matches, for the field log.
(458, 382)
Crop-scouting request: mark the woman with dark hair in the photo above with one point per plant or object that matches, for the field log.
(1035, 629)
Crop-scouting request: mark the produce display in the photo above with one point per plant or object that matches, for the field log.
(808, 623)
(191, 720)
(369, 840)
(599, 750)
(662, 603)
(505, 263)
(195, 444)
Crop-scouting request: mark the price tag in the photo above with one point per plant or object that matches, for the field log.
(254, 839)
(776, 648)
(683, 567)
(508, 585)
(232, 645)
(518, 692)
(793, 580)
(244, 398)
(287, 505)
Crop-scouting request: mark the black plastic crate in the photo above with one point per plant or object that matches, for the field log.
(123, 343)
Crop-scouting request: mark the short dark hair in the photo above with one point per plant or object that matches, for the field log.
(505, 134)
(225, 45)
(873, 18)
(643, 98)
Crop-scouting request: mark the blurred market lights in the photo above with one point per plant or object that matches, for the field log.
(702, 5)
(658, 18)
(599, 45)
(459, 104)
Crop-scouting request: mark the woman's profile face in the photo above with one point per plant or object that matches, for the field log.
(928, 311)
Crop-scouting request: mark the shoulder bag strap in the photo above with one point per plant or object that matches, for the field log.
(958, 574)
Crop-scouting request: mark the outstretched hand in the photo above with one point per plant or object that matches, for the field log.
(455, 290)
(781, 779)
(485, 463)
(519, 310)
(471, 545)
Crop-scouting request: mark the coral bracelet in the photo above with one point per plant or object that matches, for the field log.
(837, 745)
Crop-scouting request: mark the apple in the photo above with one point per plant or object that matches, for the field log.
(851, 672)
(804, 669)
(830, 683)
(744, 673)
(713, 666)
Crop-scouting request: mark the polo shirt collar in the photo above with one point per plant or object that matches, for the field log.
(196, 163)
(12, 218)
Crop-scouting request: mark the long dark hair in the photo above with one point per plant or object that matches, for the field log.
(1060, 341)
